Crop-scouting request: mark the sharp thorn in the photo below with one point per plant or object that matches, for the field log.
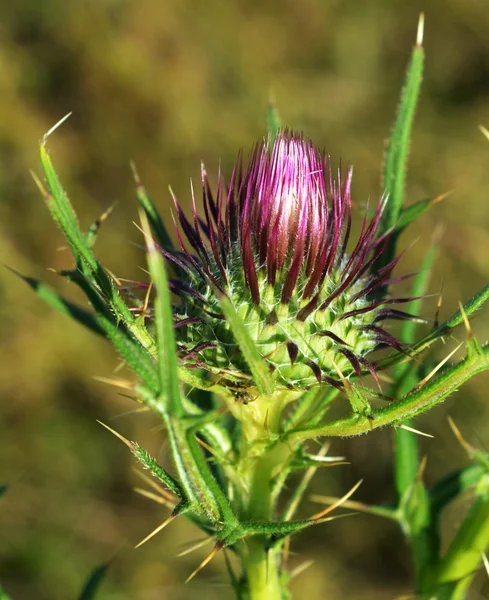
(436, 369)
(121, 383)
(118, 435)
(486, 563)
(484, 131)
(196, 546)
(422, 468)
(416, 431)
(461, 440)
(420, 32)
(153, 497)
(338, 503)
(300, 569)
(54, 127)
(155, 531)
(466, 320)
(152, 483)
(206, 446)
(206, 560)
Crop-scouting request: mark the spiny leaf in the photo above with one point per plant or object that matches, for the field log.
(398, 147)
(92, 233)
(94, 582)
(133, 354)
(63, 306)
(63, 213)
(470, 307)
(165, 335)
(250, 352)
(152, 214)
(158, 471)
(413, 211)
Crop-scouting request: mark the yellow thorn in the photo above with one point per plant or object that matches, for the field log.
(265, 422)
(436, 369)
(286, 551)
(206, 560)
(146, 298)
(420, 32)
(461, 440)
(37, 181)
(204, 445)
(324, 512)
(300, 569)
(354, 504)
(486, 563)
(155, 531)
(417, 431)
(328, 519)
(438, 305)
(154, 497)
(439, 199)
(121, 383)
(422, 468)
(466, 320)
(484, 131)
(194, 547)
(118, 435)
(152, 483)
(385, 377)
(114, 277)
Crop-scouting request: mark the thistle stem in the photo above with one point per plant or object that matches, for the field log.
(261, 571)
(260, 565)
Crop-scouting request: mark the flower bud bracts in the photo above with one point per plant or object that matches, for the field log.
(275, 242)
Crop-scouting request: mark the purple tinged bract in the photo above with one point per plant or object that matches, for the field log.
(276, 241)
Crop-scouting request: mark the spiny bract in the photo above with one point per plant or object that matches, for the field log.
(275, 242)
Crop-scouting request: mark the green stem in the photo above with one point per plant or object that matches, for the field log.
(262, 566)
(262, 572)
(415, 402)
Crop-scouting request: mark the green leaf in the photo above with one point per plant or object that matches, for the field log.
(162, 236)
(64, 215)
(413, 211)
(406, 442)
(158, 471)
(452, 485)
(470, 307)
(398, 148)
(93, 583)
(133, 354)
(167, 356)
(92, 233)
(257, 364)
(63, 306)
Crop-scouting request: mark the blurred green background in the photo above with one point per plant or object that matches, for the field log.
(168, 83)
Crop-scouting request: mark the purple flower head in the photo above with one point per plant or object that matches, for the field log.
(276, 242)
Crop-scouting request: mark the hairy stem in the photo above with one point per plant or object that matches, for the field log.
(412, 404)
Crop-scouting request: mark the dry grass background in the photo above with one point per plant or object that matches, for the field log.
(168, 83)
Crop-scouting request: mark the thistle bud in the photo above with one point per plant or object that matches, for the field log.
(276, 242)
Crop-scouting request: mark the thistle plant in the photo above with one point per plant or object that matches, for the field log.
(266, 312)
